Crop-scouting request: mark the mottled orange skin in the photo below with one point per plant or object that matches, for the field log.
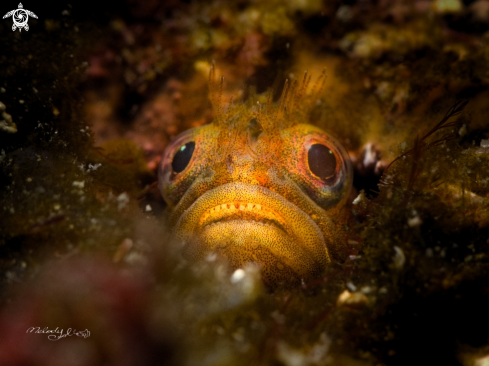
(249, 195)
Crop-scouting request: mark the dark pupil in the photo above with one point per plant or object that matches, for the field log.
(322, 161)
(182, 157)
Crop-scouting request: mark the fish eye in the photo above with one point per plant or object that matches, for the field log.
(322, 162)
(182, 157)
(182, 162)
(318, 164)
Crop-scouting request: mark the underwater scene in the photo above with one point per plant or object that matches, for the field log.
(286, 183)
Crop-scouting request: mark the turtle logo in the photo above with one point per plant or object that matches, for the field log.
(20, 17)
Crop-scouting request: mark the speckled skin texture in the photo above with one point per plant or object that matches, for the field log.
(248, 193)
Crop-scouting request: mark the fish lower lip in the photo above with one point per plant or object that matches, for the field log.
(243, 241)
(261, 222)
(293, 237)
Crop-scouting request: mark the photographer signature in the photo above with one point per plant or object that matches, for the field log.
(57, 334)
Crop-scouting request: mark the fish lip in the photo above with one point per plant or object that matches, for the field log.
(294, 219)
(246, 211)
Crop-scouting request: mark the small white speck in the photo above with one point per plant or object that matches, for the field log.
(122, 200)
(463, 130)
(414, 221)
(366, 289)
(344, 13)
(359, 199)
(399, 258)
(370, 155)
(148, 208)
(211, 257)
(238, 275)
(94, 166)
(79, 184)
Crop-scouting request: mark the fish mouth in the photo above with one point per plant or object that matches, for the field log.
(234, 211)
(250, 223)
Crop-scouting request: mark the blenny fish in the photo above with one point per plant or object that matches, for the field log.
(260, 185)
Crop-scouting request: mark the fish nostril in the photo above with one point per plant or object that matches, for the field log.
(229, 161)
(208, 173)
(254, 130)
